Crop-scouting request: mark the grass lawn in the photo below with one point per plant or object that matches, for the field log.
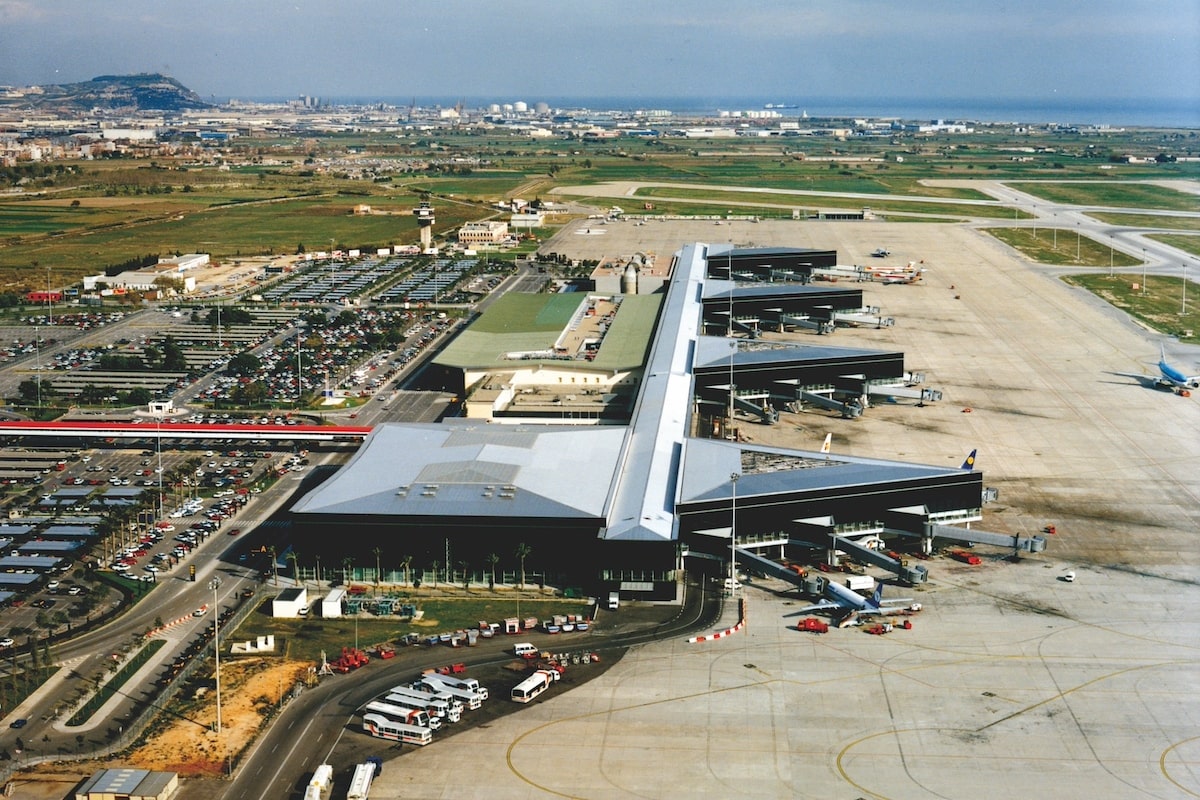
(1057, 246)
(1112, 193)
(1148, 221)
(1188, 244)
(305, 639)
(1158, 306)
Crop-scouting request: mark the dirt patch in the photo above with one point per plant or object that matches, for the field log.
(251, 689)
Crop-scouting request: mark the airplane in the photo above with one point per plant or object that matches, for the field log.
(970, 462)
(1176, 379)
(1168, 377)
(838, 597)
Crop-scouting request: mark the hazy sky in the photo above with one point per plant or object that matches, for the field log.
(1019, 49)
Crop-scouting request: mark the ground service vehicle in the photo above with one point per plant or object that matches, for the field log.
(437, 709)
(472, 700)
(321, 783)
(409, 716)
(860, 583)
(470, 684)
(534, 685)
(360, 783)
(525, 650)
(383, 728)
(614, 601)
(430, 694)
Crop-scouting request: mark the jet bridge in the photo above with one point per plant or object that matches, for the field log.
(821, 323)
(768, 567)
(909, 389)
(917, 522)
(868, 315)
(913, 575)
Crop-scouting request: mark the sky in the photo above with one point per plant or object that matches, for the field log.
(1040, 50)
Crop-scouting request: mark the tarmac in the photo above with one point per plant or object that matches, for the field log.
(1012, 682)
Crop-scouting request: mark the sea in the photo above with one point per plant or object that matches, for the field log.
(1116, 113)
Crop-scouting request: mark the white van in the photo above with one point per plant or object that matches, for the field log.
(523, 649)
(614, 601)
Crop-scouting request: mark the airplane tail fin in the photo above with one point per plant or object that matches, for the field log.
(877, 597)
(970, 462)
(825, 445)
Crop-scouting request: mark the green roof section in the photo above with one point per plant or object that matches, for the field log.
(532, 322)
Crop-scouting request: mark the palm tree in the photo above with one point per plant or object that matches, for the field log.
(436, 564)
(295, 559)
(405, 564)
(274, 566)
(347, 563)
(466, 568)
(378, 552)
(523, 550)
(492, 560)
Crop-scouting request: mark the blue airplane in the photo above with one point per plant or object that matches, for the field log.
(1173, 378)
(1168, 377)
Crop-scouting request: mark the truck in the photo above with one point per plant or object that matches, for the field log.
(965, 557)
(320, 783)
(400, 713)
(472, 700)
(860, 583)
(360, 782)
(614, 601)
(470, 684)
(437, 709)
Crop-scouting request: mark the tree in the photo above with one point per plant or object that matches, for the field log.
(245, 363)
(492, 560)
(466, 569)
(405, 564)
(436, 564)
(378, 552)
(347, 565)
(295, 559)
(523, 550)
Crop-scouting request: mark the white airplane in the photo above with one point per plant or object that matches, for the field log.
(1168, 377)
(838, 597)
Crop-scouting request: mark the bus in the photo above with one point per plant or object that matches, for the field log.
(360, 783)
(383, 728)
(534, 685)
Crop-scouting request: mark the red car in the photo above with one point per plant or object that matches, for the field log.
(234, 531)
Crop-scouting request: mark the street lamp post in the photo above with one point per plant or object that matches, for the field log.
(1110, 255)
(1143, 272)
(1077, 239)
(37, 348)
(214, 584)
(1183, 307)
(733, 479)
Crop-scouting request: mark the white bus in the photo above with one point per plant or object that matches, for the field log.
(360, 784)
(534, 685)
(383, 728)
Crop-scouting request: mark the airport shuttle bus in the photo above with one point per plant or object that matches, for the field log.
(534, 685)
(383, 728)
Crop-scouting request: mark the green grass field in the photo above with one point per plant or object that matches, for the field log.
(1062, 247)
(1113, 193)
(1157, 303)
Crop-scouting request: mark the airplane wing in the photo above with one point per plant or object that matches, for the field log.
(824, 605)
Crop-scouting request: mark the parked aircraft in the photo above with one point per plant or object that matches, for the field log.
(970, 462)
(838, 597)
(1171, 376)
(1168, 377)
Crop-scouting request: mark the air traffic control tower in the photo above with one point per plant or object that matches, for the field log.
(425, 220)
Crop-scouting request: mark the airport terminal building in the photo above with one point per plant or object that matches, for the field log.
(650, 483)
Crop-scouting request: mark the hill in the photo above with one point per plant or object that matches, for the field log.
(142, 92)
